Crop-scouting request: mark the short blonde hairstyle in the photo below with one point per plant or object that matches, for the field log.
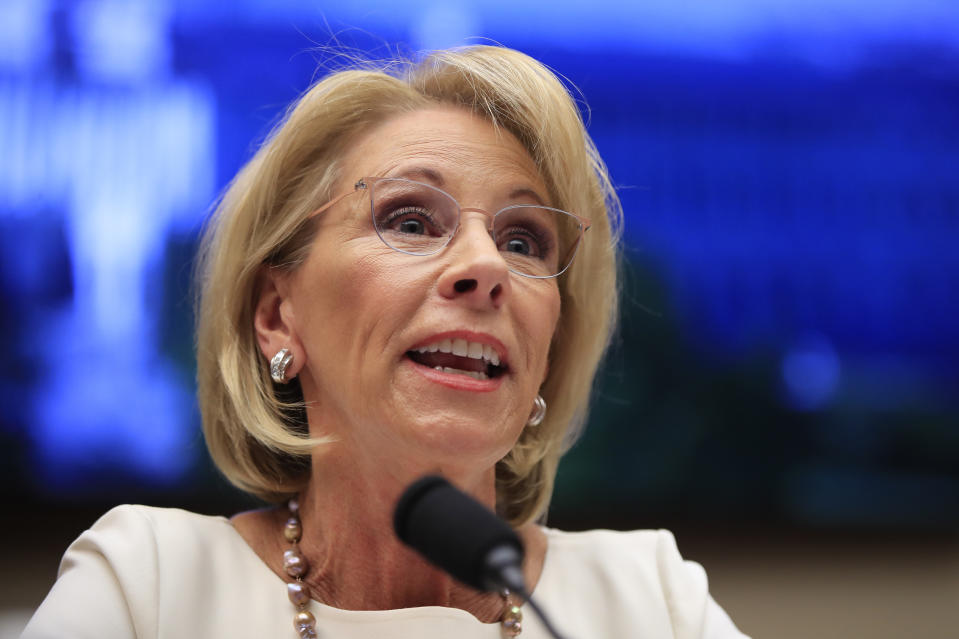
(255, 430)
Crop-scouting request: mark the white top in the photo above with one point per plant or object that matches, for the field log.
(170, 574)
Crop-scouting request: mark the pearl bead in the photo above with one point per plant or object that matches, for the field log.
(304, 619)
(299, 593)
(294, 506)
(293, 530)
(512, 621)
(512, 627)
(294, 563)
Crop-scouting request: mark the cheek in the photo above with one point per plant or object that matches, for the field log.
(546, 311)
(329, 288)
(349, 296)
(384, 286)
(352, 271)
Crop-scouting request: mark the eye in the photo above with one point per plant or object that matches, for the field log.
(528, 233)
(410, 221)
(525, 242)
(522, 246)
(410, 224)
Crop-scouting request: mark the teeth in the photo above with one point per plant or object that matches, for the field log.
(462, 348)
(475, 350)
(457, 371)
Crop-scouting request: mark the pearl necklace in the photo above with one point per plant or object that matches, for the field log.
(296, 566)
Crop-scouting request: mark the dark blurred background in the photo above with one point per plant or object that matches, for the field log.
(783, 392)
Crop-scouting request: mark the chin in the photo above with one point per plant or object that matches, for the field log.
(460, 441)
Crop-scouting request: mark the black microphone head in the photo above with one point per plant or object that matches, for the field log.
(457, 533)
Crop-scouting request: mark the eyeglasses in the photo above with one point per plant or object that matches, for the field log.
(418, 219)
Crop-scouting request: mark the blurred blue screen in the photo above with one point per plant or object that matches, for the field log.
(788, 172)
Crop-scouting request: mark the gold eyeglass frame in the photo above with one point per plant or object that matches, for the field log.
(365, 183)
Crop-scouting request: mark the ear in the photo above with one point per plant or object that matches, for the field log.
(273, 319)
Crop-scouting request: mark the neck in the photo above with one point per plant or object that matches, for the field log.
(356, 561)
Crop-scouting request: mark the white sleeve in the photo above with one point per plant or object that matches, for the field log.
(693, 611)
(106, 586)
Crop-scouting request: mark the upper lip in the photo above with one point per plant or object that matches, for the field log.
(466, 344)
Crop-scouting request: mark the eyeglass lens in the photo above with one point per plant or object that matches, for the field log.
(419, 219)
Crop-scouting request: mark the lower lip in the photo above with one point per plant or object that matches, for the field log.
(455, 380)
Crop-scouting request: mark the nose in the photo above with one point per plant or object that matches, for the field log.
(477, 274)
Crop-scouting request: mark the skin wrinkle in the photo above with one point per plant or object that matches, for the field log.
(354, 308)
(491, 162)
(488, 164)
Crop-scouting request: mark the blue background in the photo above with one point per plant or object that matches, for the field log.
(789, 175)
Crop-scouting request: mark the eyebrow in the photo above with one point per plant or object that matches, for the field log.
(423, 173)
(434, 177)
(515, 194)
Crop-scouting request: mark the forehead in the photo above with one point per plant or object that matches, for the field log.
(463, 148)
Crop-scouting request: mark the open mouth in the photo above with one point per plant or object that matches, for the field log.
(461, 357)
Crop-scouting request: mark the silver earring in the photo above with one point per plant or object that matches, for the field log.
(538, 413)
(279, 364)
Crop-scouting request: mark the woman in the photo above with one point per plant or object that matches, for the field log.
(389, 289)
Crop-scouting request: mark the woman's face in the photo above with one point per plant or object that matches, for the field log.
(362, 314)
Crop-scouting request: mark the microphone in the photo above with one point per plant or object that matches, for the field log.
(458, 534)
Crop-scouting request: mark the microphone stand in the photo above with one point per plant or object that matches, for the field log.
(542, 615)
(461, 536)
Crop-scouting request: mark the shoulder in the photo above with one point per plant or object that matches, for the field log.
(137, 519)
(142, 518)
(139, 543)
(599, 541)
(141, 533)
(119, 577)
(639, 577)
(642, 557)
(640, 548)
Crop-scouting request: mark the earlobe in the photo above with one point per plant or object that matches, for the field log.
(273, 319)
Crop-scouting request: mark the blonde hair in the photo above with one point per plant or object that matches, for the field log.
(255, 430)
